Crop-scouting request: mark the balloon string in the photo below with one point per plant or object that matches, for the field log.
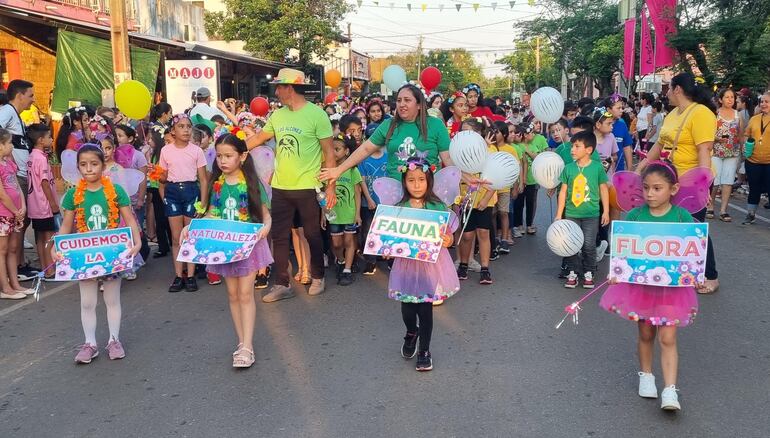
(574, 308)
(37, 284)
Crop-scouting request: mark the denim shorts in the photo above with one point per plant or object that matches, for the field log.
(337, 229)
(180, 198)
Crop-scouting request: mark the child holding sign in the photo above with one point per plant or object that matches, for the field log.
(98, 204)
(236, 195)
(659, 310)
(416, 283)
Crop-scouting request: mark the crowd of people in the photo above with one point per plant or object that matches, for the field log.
(321, 198)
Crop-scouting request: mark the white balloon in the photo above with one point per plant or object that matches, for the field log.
(468, 151)
(565, 238)
(501, 170)
(547, 104)
(547, 168)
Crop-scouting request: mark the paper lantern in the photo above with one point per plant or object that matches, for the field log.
(547, 168)
(547, 104)
(468, 151)
(564, 238)
(501, 170)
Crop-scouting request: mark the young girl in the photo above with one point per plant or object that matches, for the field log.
(98, 204)
(375, 116)
(351, 126)
(162, 230)
(236, 195)
(658, 310)
(605, 141)
(72, 132)
(417, 284)
(12, 213)
(185, 181)
(533, 144)
(128, 156)
(455, 110)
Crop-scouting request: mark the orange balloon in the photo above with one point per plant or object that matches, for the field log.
(333, 78)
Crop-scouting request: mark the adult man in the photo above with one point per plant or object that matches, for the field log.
(203, 106)
(302, 132)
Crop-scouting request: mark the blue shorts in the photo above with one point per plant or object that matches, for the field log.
(180, 198)
(337, 229)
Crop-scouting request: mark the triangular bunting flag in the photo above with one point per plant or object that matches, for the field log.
(359, 3)
(512, 4)
(531, 2)
(494, 5)
(409, 6)
(475, 7)
(376, 3)
(458, 5)
(441, 7)
(391, 6)
(423, 7)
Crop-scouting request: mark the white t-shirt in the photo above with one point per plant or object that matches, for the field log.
(205, 111)
(657, 122)
(10, 121)
(641, 120)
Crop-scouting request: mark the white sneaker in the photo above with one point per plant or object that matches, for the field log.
(600, 250)
(517, 233)
(647, 388)
(13, 296)
(473, 265)
(438, 302)
(28, 245)
(669, 399)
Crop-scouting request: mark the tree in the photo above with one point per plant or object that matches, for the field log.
(522, 64)
(458, 67)
(270, 29)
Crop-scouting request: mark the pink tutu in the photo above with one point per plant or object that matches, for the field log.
(413, 281)
(259, 258)
(655, 305)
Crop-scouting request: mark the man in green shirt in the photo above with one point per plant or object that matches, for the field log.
(303, 136)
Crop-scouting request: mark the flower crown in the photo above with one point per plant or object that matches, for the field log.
(230, 129)
(246, 116)
(356, 108)
(178, 118)
(603, 112)
(99, 119)
(420, 87)
(699, 80)
(615, 97)
(158, 128)
(414, 164)
(472, 87)
(451, 99)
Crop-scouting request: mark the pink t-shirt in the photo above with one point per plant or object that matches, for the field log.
(607, 146)
(39, 170)
(10, 184)
(182, 164)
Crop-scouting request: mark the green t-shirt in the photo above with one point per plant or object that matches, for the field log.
(230, 199)
(565, 152)
(406, 140)
(346, 197)
(95, 205)
(430, 205)
(675, 214)
(583, 195)
(297, 147)
(539, 144)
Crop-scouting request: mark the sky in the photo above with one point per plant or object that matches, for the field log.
(488, 33)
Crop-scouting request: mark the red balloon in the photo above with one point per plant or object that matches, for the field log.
(430, 78)
(259, 106)
(330, 98)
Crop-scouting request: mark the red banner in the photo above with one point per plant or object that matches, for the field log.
(663, 15)
(628, 48)
(646, 52)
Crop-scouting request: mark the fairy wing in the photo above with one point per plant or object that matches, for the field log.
(693, 194)
(129, 179)
(453, 222)
(268, 190)
(389, 190)
(629, 189)
(446, 184)
(69, 166)
(264, 162)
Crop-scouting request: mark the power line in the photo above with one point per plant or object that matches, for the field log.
(446, 31)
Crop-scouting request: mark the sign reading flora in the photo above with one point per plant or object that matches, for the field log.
(659, 254)
(406, 232)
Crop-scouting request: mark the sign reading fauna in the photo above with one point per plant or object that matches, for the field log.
(406, 232)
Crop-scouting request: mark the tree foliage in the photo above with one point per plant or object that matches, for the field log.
(522, 65)
(280, 30)
(458, 67)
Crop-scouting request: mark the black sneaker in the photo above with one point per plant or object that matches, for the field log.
(176, 285)
(409, 349)
(494, 255)
(424, 361)
(340, 268)
(24, 273)
(200, 272)
(159, 254)
(505, 248)
(485, 277)
(191, 285)
(354, 267)
(261, 282)
(750, 219)
(564, 272)
(346, 279)
(390, 264)
(462, 271)
(370, 268)
(269, 271)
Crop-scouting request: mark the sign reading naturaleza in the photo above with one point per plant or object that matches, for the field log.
(93, 254)
(411, 233)
(659, 254)
(218, 241)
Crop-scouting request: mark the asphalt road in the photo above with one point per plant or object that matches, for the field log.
(330, 366)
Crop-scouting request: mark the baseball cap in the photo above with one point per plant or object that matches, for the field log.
(202, 92)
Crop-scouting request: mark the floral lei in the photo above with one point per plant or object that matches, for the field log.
(243, 192)
(113, 213)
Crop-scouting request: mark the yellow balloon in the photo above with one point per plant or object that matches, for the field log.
(133, 99)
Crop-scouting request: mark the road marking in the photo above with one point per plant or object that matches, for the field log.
(30, 300)
(744, 211)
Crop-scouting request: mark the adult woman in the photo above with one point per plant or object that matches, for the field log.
(758, 160)
(688, 134)
(161, 114)
(408, 132)
(727, 151)
(475, 102)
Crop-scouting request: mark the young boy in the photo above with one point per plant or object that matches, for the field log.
(582, 180)
(42, 206)
(348, 217)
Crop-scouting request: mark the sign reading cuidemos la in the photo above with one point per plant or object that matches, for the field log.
(411, 233)
(658, 253)
(93, 254)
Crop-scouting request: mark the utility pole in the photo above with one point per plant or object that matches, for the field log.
(350, 62)
(537, 61)
(419, 56)
(121, 55)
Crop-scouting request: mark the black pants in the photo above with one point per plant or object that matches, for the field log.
(758, 176)
(285, 203)
(162, 229)
(366, 223)
(526, 199)
(711, 262)
(410, 312)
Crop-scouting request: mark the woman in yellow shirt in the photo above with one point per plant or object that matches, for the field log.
(758, 158)
(688, 134)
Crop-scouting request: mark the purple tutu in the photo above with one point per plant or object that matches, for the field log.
(654, 305)
(413, 281)
(259, 258)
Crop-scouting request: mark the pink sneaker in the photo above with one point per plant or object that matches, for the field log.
(87, 353)
(115, 349)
